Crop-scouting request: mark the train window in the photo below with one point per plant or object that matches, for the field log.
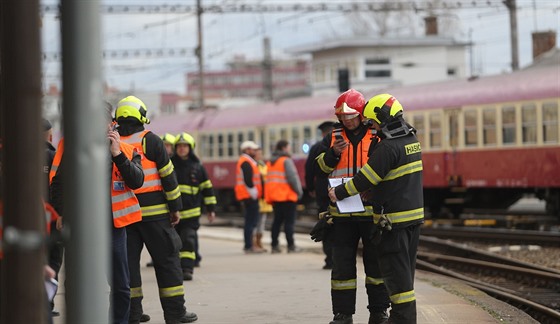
(307, 138)
(283, 134)
(220, 145)
(529, 123)
(251, 136)
(453, 128)
(230, 144)
(418, 123)
(272, 138)
(508, 125)
(296, 141)
(210, 146)
(435, 130)
(470, 127)
(550, 122)
(489, 126)
(240, 137)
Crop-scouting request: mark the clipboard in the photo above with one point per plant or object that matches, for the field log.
(352, 204)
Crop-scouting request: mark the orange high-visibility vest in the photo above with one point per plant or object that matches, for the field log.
(277, 188)
(152, 180)
(240, 188)
(345, 167)
(124, 204)
(56, 160)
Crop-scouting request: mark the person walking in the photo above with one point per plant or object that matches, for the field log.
(196, 191)
(393, 173)
(348, 149)
(248, 189)
(126, 175)
(160, 201)
(283, 190)
(317, 186)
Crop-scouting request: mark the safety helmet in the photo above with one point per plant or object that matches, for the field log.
(349, 104)
(185, 138)
(168, 139)
(382, 108)
(132, 107)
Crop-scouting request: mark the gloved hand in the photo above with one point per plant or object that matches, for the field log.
(321, 227)
(383, 225)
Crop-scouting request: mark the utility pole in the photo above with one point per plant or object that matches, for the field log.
(267, 71)
(22, 293)
(200, 56)
(512, 7)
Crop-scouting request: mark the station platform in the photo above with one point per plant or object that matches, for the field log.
(231, 287)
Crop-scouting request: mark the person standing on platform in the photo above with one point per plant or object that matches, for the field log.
(348, 150)
(283, 190)
(196, 191)
(126, 175)
(160, 201)
(248, 189)
(317, 186)
(393, 173)
(264, 207)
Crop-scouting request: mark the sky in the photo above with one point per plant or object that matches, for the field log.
(228, 35)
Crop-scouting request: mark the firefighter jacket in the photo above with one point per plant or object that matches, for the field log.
(126, 175)
(282, 180)
(394, 173)
(160, 193)
(350, 161)
(195, 187)
(248, 183)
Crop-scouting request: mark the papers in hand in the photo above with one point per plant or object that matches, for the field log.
(352, 204)
(51, 286)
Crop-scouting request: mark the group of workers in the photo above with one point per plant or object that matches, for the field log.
(375, 154)
(158, 189)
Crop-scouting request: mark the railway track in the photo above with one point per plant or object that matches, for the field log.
(533, 289)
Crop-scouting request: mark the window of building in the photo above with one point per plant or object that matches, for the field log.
(489, 126)
(451, 71)
(529, 123)
(508, 125)
(435, 130)
(418, 123)
(550, 122)
(378, 73)
(373, 61)
(470, 127)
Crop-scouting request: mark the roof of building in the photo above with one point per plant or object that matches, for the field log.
(376, 42)
(549, 58)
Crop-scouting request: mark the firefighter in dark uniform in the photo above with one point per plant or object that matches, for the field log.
(196, 190)
(394, 174)
(348, 149)
(160, 201)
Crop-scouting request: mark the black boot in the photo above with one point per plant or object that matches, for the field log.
(189, 317)
(145, 318)
(187, 275)
(342, 319)
(378, 317)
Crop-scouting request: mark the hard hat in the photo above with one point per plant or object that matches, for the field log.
(132, 107)
(185, 138)
(382, 108)
(349, 104)
(168, 138)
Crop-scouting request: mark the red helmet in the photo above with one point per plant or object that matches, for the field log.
(349, 104)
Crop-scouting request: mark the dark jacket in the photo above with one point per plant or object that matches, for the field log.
(319, 184)
(49, 157)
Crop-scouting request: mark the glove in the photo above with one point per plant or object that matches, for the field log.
(322, 226)
(384, 225)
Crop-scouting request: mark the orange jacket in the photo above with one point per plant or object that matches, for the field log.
(124, 204)
(277, 188)
(152, 180)
(345, 167)
(241, 190)
(56, 160)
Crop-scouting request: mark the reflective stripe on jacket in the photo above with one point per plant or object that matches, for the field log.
(124, 204)
(152, 180)
(277, 188)
(241, 190)
(56, 160)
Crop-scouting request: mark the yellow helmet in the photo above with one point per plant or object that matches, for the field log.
(168, 138)
(132, 107)
(185, 138)
(382, 108)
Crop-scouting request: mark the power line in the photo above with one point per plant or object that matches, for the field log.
(132, 53)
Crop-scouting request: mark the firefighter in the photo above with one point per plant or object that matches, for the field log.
(348, 148)
(169, 142)
(196, 191)
(394, 174)
(160, 201)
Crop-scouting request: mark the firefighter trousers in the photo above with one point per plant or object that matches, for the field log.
(163, 244)
(188, 231)
(397, 260)
(346, 235)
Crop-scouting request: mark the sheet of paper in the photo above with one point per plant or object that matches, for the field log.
(51, 286)
(352, 204)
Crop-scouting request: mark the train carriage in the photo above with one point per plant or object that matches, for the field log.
(486, 141)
